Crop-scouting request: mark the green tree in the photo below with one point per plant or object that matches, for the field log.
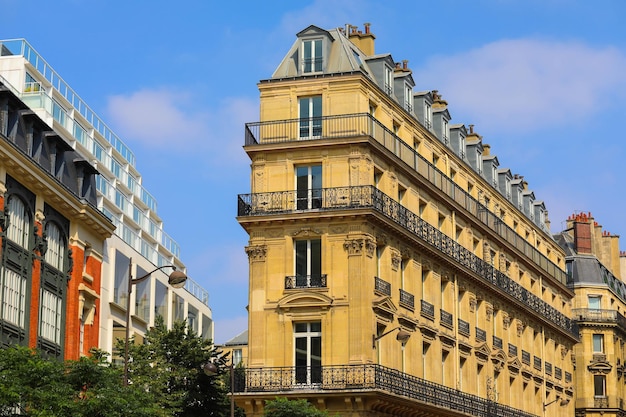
(170, 365)
(90, 387)
(282, 407)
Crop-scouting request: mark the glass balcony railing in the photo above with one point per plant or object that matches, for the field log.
(360, 125)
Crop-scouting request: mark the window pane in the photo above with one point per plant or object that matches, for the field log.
(597, 343)
(598, 385)
(594, 303)
(316, 258)
(301, 258)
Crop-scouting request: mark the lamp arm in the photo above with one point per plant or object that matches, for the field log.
(144, 277)
(375, 338)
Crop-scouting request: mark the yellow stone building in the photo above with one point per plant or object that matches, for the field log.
(395, 268)
(594, 263)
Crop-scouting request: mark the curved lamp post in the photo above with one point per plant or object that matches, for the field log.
(401, 337)
(176, 280)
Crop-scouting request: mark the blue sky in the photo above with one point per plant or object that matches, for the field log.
(543, 81)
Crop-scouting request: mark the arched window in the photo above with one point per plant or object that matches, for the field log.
(19, 221)
(56, 252)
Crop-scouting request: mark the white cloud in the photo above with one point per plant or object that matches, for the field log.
(161, 118)
(527, 84)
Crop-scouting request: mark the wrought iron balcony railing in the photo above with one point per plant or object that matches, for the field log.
(464, 327)
(497, 342)
(371, 198)
(537, 363)
(446, 319)
(305, 281)
(365, 125)
(407, 299)
(481, 335)
(382, 286)
(356, 378)
(427, 310)
(599, 316)
(512, 350)
(525, 357)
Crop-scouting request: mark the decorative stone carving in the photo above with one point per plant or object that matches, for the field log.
(488, 311)
(395, 259)
(506, 320)
(520, 328)
(307, 231)
(257, 253)
(370, 247)
(472, 303)
(353, 246)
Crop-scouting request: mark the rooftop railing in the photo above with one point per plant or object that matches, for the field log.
(599, 316)
(363, 124)
(359, 378)
(371, 198)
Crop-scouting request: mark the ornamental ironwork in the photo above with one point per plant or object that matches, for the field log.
(369, 197)
(464, 327)
(368, 377)
(407, 299)
(305, 281)
(382, 286)
(365, 125)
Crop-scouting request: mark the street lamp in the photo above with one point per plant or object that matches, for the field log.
(176, 280)
(563, 403)
(210, 369)
(402, 336)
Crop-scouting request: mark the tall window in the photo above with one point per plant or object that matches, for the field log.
(310, 117)
(388, 80)
(308, 262)
(55, 255)
(598, 343)
(312, 55)
(428, 116)
(599, 386)
(14, 281)
(309, 187)
(19, 222)
(308, 352)
(160, 300)
(51, 307)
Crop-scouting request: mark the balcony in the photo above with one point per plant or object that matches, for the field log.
(427, 310)
(305, 281)
(497, 342)
(446, 319)
(525, 357)
(592, 315)
(365, 125)
(407, 299)
(481, 335)
(382, 286)
(537, 363)
(464, 327)
(370, 379)
(512, 350)
(370, 198)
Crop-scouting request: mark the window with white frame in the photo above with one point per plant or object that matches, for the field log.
(312, 58)
(428, 115)
(308, 187)
(308, 352)
(408, 98)
(51, 307)
(310, 111)
(56, 252)
(19, 221)
(308, 262)
(388, 87)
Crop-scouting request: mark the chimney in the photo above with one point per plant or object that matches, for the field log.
(486, 149)
(582, 233)
(363, 41)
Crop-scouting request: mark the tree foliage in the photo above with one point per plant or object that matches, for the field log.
(90, 387)
(283, 407)
(170, 365)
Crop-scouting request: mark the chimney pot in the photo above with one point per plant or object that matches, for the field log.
(405, 64)
(367, 27)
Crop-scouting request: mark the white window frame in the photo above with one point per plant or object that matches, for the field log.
(312, 63)
(309, 335)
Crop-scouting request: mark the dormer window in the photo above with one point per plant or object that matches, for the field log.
(408, 98)
(445, 132)
(479, 160)
(312, 55)
(462, 146)
(507, 187)
(428, 116)
(388, 80)
(494, 175)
